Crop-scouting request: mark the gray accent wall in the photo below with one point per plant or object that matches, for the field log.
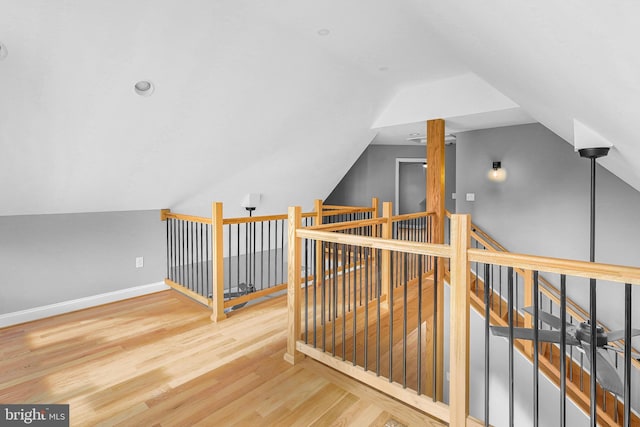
(373, 175)
(543, 206)
(47, 259)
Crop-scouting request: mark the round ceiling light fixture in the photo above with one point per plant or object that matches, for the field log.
(323, 32)
(3, 51)
(143, 88)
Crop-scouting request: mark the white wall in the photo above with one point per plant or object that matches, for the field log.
(49, 259)
(543, 206)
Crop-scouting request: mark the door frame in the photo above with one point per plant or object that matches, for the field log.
(399, 160)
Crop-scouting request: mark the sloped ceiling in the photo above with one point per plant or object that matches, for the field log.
(559, 61)
(250, 98)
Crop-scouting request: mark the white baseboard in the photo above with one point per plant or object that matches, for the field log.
(36, 313)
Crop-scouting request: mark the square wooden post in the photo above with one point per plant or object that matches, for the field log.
(459, 320)
(217, 251)
(293, 291)
(435, 203)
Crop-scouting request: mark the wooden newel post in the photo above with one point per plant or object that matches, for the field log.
(217, 261)
(387, 233)
(294, 301)
(459, 320)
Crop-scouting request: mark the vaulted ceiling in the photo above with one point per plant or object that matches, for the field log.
(281, 97)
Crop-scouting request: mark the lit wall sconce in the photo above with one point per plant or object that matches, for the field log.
(497, 173)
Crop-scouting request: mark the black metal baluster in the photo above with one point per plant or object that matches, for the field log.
(237, 260)
(229, 271)
(500, 289)
(315, 291)
(269, 254)
(404, 320)
(563, 350)
(207, 247)
(594, 352)
(334, 299)
(282, 252)
(536, 356)
(306, 291)
(511, 342)
(323, 298)
(253, 238)
(366, 308)
(345, 249)
(419, 331)
(199, 258)
(627, 354)
(247, 257)
(262, 255)
(183, 279)
(390, 300)
(378, 295)
(275, 255)
(193, 285)
(434, 332)
(487, 268)
(356, 253)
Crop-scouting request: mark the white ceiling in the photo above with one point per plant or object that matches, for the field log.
(251, 99)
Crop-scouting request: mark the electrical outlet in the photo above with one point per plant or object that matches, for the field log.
(139, 262)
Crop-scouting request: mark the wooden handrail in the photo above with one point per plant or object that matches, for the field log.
(600, 271)
(431, 249)
(249, 219)
(190, 218)
(405, 217)
(338, 226)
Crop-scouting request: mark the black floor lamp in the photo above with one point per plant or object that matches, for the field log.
(593, 154)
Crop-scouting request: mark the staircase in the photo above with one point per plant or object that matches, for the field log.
(610, 409)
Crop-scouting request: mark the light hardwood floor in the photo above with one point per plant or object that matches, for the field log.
(158, 360)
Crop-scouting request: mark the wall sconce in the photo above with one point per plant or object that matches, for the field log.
(251, 202)
(497, 174)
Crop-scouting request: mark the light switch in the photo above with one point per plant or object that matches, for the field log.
(471, 197)
(453, 196)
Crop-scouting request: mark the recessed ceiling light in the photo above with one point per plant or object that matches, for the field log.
(323, 32)
(3, 51)
(143, 88)
(383, 69)
(414, 134)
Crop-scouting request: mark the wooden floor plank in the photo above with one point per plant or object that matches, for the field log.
(158, 360)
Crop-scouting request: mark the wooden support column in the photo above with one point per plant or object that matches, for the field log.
(217, 251)
(385, 270)
(459, 320)
(435, 203)
(293, 290)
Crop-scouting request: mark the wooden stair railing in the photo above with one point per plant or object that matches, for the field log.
(610, 411)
